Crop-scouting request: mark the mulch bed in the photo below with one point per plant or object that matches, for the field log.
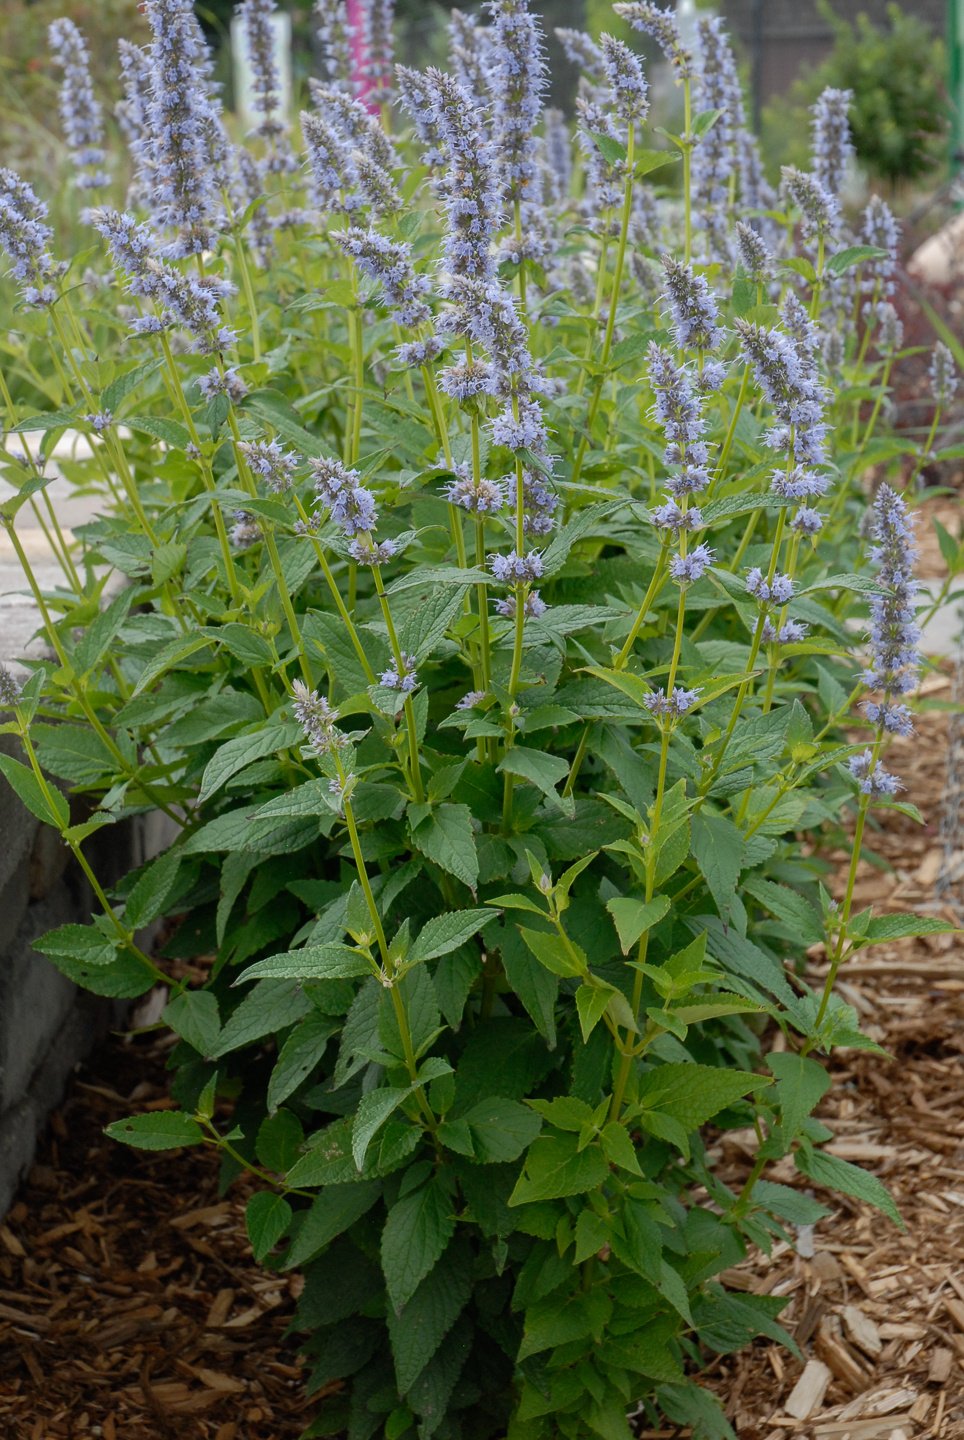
(130, 1308)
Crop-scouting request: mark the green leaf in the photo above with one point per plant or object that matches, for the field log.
(84, 943)
(314, 962)
(613, 151)
(124, 385)
(244, 644)
(266, 1217)
(542, 770)
(592, 1233)
(718, 848)
(160, 1130)
(845, 260)
(279, 1141)
(445, 835)
(168, 657)
(417, 1230)
(447, 932)
(899, 927)
(53, 812)
(271, 1006)
(801, 1085)
(148, 895)
(372, 1112)
(836, 1174)
(787, 906)
(555, 1167)
(693, 1094)
(550, 951)
(418, 1329)
(103, 630)
(332, 1212)
(592, 1001)
(235, 754)
(169, 432)
(299, 1056)
(500, 1129)
(633, 917)
(194, 1016)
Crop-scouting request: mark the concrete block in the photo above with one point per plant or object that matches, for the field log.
(35, 999)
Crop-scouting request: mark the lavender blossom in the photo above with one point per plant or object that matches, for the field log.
(469, 52)
(416, 353)
(894, 633)
(539, 501)
(361, 130)
(333, 174)
(873, 780)
(317, 718)
(415, 95)
(133, 118)
(786, 373)
(533, 606)
(626, 80)
(798, 483)
(516, 569)
(403, 677)
(351, 505)
(943, 375)
(693, 306)
(250, 187)
(831, 143)
(365, 551)
(678, 410)
(880, 229)
(517, 79)
(389, 262)
(472, 198)
(819, 207)
(379, 46)
(100, 420)
(180, 124)
(466, 380)
(756, 192)
(674, 705)
(715, 158)
(754, 254)
(891, 327)
(375, 184)
(791, 632)
(603, 191)
(690, 567)
(334, 38)
(479, 497)
(778, 591)
(25, 236)
(557, 156)
(227, 382)
(662, 26)
(470, 700)
(267, 460)
(255, 17)
(670, 517)
(80, 113)
(807, 521)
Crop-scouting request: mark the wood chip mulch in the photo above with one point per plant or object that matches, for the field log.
(130, 1308)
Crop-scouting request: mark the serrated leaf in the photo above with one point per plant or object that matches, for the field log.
(160, 1130)
(444, 933)
(445, 835)
(633, 917)
(899, 927)
(194, 1016)
(266, 1217)
(371, 1114)
(556, 1168)
(417, 1230)
(53, 811)
(298, 1057)
(801, 1085)
(243, 750)
(418, 1329)
(836, 1174)
(314, 962)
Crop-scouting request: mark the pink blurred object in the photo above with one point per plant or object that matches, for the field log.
(362, 83)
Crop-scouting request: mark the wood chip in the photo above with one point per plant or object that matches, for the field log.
(808, 1394)
(942, 1362)
(859, 1328)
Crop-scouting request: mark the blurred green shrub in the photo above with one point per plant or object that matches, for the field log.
(900, 115)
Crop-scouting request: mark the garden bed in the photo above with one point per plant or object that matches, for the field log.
(130, 1306)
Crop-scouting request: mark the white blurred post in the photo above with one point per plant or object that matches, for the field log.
(244, 90)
